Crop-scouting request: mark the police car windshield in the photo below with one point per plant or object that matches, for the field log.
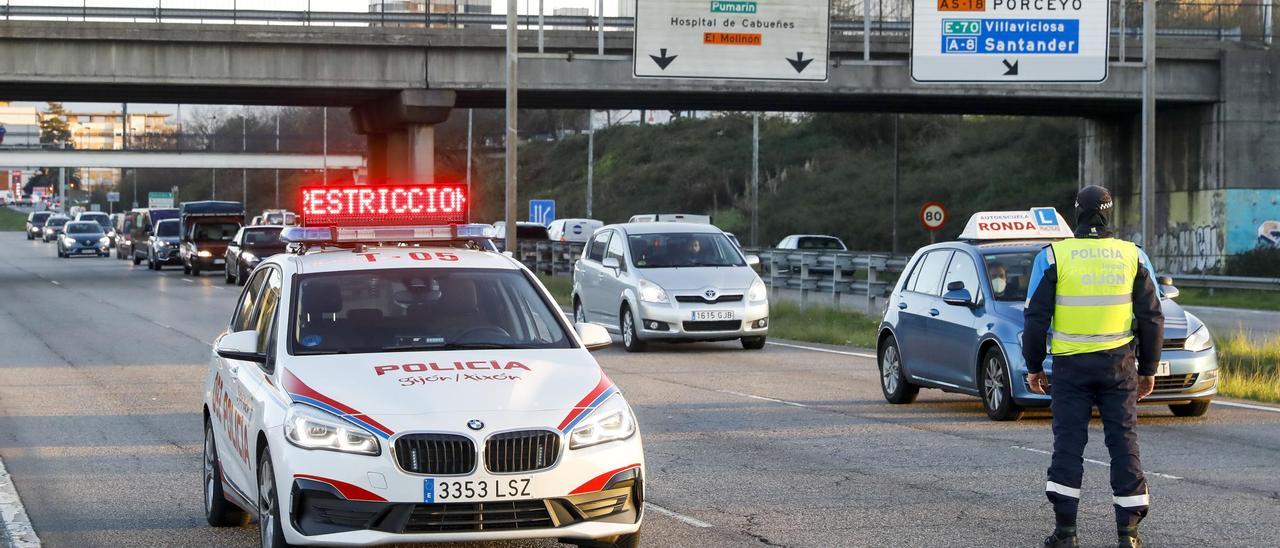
(1009, 274)
(677, 250)
(371, 311)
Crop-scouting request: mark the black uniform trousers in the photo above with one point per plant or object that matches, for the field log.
(1107, 380)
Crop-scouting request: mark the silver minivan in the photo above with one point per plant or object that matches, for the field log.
(670, 282)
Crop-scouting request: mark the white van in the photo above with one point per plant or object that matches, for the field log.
(573, 230)
(671, 218)
(6, 198)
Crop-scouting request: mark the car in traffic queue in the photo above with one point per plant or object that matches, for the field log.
(103, 219)
(141, 226)
(113, 229)
(53, 227)
(35, 224)
(206, 229)
(163, 245)
(400, 384)
(670, 282)
(250, 246)
(572, 230)
(954, 322)
(80, 237)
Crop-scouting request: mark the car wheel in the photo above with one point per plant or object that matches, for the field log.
(997, 392)
(226, 273)
(753, 343)
(186, 268)
(137, 261)
(893, 380)
(630, 339)
(270, 528)
(218, 511)
(579, 313)
(195, 269)
(620, 541)
(1196, 408)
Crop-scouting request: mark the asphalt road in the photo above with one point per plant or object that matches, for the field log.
(1259, 325)
(101, 365)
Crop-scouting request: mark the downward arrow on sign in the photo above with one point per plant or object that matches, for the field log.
(799, 63)
(663, 61)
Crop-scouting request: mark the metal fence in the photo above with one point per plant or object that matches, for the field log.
(1251, 20)
(1226, 282)
(865, 275)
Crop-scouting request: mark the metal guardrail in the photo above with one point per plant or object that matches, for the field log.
(551, 258)
(861, 274)
(159, 14)
(1226, 282)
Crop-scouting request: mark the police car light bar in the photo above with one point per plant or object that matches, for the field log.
(319, 235)
(1040, 223)
(384, 205)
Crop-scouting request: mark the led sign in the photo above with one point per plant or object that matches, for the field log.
(384, 205)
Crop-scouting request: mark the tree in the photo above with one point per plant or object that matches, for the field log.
(54, 128)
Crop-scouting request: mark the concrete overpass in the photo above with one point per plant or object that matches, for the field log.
(17, 158)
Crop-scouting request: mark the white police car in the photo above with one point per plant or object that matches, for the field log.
(420, 391)
(954, 322)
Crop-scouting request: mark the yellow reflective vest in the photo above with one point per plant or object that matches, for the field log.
(1093, 310)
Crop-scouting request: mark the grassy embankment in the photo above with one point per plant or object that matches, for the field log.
(1230, 298)
(1249, 369)
(12, 220)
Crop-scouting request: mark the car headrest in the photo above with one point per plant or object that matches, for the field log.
(321, 298)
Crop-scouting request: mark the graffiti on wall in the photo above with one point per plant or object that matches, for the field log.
(1188, 249)
(1269, 233)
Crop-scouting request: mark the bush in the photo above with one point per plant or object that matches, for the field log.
(1261, 262)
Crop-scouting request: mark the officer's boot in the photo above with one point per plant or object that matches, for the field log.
(1129, 539)
(1062, 537)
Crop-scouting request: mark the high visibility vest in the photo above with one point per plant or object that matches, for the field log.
(1094, 306)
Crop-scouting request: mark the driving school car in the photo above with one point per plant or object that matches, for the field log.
(418, 390)
(955, 318)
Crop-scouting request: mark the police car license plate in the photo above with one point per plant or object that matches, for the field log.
(436, 490)
(217, 261)
(712, 315)
(1162, 369)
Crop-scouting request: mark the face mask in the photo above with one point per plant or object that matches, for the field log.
(998, 285)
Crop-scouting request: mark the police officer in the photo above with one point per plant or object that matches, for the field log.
(1087, 298)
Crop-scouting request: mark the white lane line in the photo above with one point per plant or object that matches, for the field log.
(1247, 406)
(188, 281)
(1097, 462)
(827, 350)
(762, 398)
(15, 526)
(54, 282)
(669, 513)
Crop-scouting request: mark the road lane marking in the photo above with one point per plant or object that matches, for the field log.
(15, 526)
(673, 514)
(1248, 406)
(188, 280)
(762, 398)
(54, 282)
(827, 350)
(1097, 462)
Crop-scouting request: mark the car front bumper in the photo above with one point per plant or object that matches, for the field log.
(337, 499)
(674, 321)
(78, 248)
(1192, 376)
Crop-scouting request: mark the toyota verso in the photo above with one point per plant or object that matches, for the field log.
(670, 282)
(413, 393)
(954, 322)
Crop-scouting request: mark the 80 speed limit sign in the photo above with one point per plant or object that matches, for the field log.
(933, 216)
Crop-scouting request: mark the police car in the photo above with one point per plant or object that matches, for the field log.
(954, 323)
(401, 384)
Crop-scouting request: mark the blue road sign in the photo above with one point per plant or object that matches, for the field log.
(542, 211)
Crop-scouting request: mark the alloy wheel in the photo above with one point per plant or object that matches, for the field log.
(890, 368)
(267, 504)
(209, 476)
(993, 383)
(628, 329)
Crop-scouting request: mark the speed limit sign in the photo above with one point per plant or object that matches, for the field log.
(933, 216)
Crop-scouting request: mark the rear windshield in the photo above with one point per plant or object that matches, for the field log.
(58, 221)
(532, 233)
(399, 310)
(158, 215)
(84, 228)
(41, 217)
(820, 243)
(214, 232)
(167, 229)
(262, 237)
(676, 250)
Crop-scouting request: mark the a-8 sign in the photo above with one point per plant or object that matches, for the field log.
(1010, 41)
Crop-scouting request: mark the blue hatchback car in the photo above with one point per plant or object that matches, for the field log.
(948, 326)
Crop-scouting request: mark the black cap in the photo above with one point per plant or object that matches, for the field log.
(1093, 198)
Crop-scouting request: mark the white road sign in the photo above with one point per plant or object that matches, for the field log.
(732, 39)
(1010, 41)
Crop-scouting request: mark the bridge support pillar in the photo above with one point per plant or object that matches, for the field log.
(401, 133)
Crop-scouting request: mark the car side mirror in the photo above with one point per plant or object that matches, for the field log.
(753, 260)
(958, 297)
(241, 345)
(593, 336)
(1170, 292)
(611, 262)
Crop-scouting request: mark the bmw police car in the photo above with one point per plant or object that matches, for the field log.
(954, 322)
(382, 385)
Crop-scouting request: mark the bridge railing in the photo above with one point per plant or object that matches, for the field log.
(1251, 20)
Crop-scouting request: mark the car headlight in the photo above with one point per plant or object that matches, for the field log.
(204, 253)
(249, 257)
(651, 292)
(104, 240)
(311, 428)
(1199, 341)
(611, 421)
(757, 292)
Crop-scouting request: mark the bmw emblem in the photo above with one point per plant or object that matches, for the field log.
(710, 293)
(475, 424)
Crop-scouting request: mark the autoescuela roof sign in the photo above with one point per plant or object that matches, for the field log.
(1010, 41)
(1038, 223)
